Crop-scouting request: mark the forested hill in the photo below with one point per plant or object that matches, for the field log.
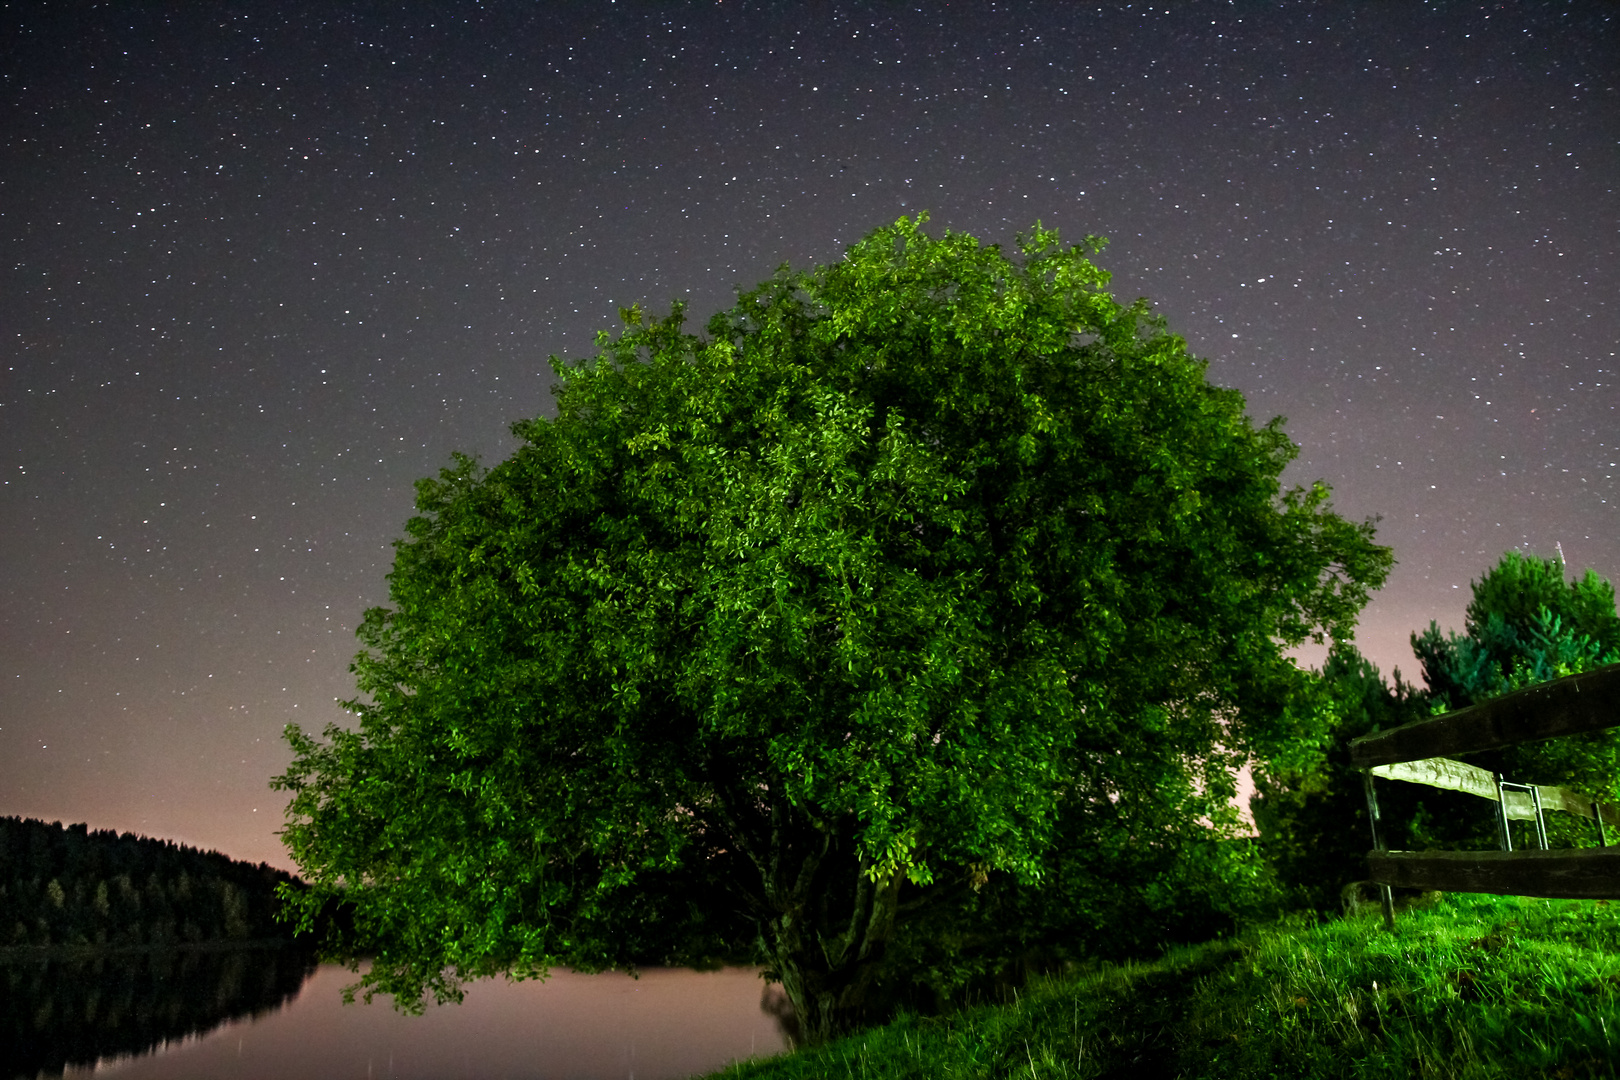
(70, 886)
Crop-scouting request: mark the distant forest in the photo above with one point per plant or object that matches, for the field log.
(73, 887)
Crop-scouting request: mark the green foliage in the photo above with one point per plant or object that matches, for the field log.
(929, 586)
(74, 887)
(1313, 820)
(1526, 624)
(1468, 988)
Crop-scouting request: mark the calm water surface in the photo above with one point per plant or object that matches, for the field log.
(668, 1023)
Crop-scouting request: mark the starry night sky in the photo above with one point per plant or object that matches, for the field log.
(267, 264)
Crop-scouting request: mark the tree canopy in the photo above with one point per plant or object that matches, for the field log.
(929, 584)
(1313, 819)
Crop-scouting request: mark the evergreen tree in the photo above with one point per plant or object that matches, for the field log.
(1525, 624)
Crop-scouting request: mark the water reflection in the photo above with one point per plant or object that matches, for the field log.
(58, 1012)
(666, 1024)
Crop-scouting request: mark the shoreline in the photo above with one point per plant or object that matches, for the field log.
(92, 952)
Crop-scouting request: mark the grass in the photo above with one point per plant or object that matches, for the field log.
(1467, 986)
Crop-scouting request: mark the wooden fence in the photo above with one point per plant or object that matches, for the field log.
(1421, 753)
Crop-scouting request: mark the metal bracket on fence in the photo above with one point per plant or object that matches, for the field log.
(1541, 818)
(1597, 812)
(1535, 802)
(1378, 845)
(1501, 815)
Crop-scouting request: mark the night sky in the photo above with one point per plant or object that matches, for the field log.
(266, 265)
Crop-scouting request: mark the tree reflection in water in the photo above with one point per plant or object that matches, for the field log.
(203, 1016)
(60, 1011)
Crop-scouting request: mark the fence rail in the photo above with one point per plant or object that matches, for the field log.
(1578, 874)
(1419, 753)
(1589, 701)
(1517, 805)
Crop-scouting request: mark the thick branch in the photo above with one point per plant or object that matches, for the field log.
(860, 912)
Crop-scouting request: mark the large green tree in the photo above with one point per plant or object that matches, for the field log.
(921, 574)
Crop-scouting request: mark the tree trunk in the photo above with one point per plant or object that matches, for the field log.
(825, 923)
(830, 966)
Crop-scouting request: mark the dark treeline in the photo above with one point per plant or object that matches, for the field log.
(73, 887)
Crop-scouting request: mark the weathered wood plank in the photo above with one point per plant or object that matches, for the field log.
(1589, 701)
(1573, 802)
(1568, 874)
(1472, 780)
(1444, 773)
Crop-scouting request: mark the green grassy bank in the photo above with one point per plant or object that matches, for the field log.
(1467, 986)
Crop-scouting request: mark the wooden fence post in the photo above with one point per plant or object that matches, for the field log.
(1501, 815)
(1384, 891)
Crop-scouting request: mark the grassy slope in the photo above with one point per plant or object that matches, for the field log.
(1468, 986)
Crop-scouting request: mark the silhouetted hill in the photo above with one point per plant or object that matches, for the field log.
(73, 887)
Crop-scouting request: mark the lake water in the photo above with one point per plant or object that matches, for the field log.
(276, 1016)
